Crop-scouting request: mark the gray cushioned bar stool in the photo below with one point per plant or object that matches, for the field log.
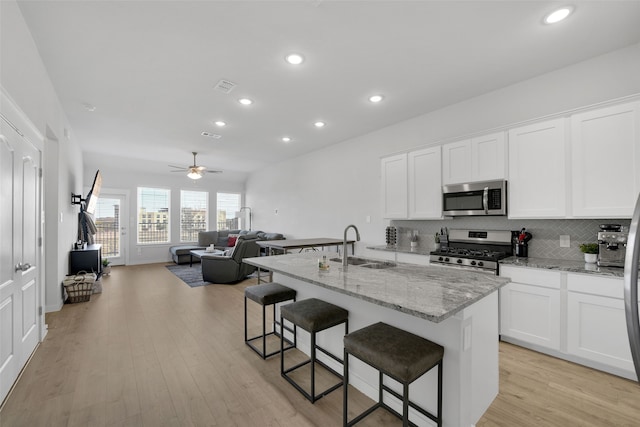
(398, 354)
(313, 315)
(268, 294)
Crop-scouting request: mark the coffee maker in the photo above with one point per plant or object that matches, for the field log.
(612, 242)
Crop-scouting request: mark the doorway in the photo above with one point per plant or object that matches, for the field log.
(111, 224)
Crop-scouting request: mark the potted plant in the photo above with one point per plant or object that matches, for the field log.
(106, 267)
(590, 251)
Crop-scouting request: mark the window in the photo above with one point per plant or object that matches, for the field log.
(228, 211)
(153, 215)
(193, 214)
(107, 220)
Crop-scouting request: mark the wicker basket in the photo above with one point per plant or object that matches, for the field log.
(79, 287)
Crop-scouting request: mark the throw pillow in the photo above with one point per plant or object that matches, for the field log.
(233, 238)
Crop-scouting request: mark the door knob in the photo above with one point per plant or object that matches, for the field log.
(22, 267)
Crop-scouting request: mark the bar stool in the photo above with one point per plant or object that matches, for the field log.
(399, 355)
(313, 315)
(268, 294)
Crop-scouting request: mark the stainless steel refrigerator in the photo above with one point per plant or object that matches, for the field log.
(631, 287)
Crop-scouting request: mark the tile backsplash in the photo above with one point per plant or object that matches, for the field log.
(546, 232)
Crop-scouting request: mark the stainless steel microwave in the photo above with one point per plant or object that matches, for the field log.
(475, 199)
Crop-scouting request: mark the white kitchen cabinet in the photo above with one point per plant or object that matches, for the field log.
(530, 306)
(537, 170)
(394, 186)
(412, 185)
(605, 161)
(425, 183)
(596, 324)
(481, 158)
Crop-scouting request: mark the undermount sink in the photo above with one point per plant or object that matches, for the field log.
(367, 263)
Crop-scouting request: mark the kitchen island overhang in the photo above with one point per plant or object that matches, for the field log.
(456, 309)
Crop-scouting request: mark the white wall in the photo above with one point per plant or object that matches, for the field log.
(24, 77)
(319, 194)
(127, 180)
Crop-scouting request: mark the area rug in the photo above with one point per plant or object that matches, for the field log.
(192, 276)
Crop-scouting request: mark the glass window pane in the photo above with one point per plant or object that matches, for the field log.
(107, 219)
(194, 214)
(153, 215)
(228, 211)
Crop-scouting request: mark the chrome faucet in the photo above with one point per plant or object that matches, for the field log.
(344, 243)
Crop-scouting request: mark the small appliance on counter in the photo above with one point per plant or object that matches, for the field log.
(391, 237)
(612, 245)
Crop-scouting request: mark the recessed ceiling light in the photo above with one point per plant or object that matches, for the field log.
(220, 123)
(89, 107)
(376, 98)
(286, 139)
(319, 124)
(294, 59)
(211, 135)
(245, 101)
(558, 15)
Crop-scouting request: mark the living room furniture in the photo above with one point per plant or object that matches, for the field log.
(399, 355)
(88, 259)
(313, 315)
(180, 254)
(284, 246)
(197, 254)
(230, 268)
(269, 294)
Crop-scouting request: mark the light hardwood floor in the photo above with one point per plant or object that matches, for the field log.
(151, 351)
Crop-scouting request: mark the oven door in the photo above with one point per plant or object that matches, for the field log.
(474, 199)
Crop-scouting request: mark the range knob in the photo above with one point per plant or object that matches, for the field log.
(480, 263)
(446, 260)
(459, 261)
(473, 263)
(440, 258)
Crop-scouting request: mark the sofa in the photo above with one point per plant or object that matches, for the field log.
(229, 268)
(219, 239)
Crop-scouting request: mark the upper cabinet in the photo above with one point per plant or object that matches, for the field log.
(425, 183)
(537, 172)
(412, 185)
(605, 161)
(481, 158)
(394, 186)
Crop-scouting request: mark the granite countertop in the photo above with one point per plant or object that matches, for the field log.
(402, 249)
(433, 293)
(564, 265)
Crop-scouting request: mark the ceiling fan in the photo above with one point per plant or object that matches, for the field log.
(194, 171)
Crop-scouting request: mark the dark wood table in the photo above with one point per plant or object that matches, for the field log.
(286, 245)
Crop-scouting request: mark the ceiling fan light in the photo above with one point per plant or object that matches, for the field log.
(193, 174)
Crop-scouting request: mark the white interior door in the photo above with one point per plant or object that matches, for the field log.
(19, 253)
(110, 219)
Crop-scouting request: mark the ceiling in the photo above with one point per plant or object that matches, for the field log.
(149, 68)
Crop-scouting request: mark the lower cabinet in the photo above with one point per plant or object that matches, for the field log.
(596, 323)
(530, 307)
(577, 317)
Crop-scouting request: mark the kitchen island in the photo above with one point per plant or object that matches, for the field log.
(455, 308)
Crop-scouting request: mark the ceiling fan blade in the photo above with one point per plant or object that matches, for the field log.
(180, 170)
(177, 167)
(212, 171)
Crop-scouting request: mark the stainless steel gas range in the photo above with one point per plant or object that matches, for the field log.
(474, 249)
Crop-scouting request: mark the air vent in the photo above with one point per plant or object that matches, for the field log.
(211, 135)
(224, 86)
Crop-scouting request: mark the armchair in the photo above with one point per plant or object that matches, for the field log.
(230, 268)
